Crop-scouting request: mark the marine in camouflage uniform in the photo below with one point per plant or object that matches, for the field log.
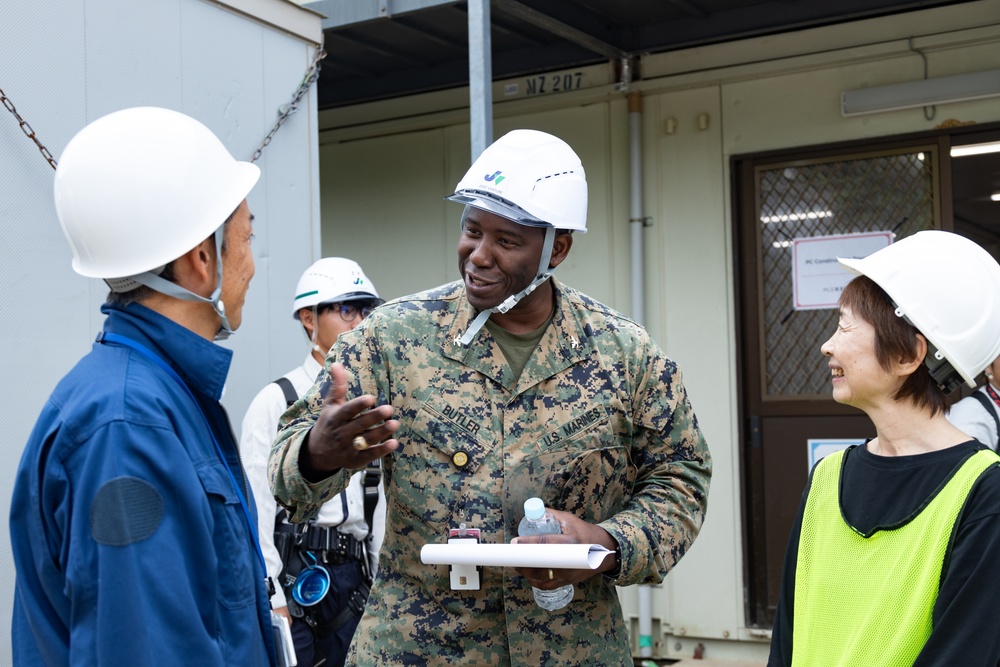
(597, 424)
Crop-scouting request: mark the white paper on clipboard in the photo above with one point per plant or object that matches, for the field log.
(566, 556)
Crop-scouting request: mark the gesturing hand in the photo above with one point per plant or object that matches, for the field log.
(330, 444)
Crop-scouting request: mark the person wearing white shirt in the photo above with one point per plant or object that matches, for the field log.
(342, 543)
(978, 415)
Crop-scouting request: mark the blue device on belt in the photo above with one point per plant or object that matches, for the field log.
(312, 584)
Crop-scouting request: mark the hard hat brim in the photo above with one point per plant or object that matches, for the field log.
(852, 264)
(493, 204)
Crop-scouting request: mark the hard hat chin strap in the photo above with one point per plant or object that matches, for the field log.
(543, 274)
(164, 286)
(941, 370)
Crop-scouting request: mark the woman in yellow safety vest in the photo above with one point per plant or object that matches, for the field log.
(894, 553)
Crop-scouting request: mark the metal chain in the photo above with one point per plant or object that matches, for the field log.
(284, 111)
(27, 129)
(287, 110)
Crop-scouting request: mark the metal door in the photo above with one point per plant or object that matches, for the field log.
(784, 379)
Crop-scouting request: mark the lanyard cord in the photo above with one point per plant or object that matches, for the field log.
(152, 356)
(993, 394)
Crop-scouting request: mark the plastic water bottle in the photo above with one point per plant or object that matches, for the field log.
(537, 521)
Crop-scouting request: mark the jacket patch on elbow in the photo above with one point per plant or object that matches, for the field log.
(125, 510)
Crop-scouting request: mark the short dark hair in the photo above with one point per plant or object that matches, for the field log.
(141, 293)
(895, 338)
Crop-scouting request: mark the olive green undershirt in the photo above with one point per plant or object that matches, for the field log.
(517, 348)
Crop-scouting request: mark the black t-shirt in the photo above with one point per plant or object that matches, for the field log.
(879, 492)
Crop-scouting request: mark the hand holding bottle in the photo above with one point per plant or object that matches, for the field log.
(538, 521)
(574, 531)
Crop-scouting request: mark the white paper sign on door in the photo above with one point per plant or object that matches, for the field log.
(817, 276)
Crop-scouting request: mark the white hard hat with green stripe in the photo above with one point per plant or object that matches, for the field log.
(332, 280)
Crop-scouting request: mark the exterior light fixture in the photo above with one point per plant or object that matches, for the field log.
(975, 149)
(922, 93)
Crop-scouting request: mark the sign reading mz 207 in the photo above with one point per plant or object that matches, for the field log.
(553, 83)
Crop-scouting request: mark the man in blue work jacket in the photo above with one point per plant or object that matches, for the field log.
(132, 525)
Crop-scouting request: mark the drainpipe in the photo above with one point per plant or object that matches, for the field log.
(636, 223)
(635, 204)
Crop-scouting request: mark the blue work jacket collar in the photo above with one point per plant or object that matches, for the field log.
(202, 364)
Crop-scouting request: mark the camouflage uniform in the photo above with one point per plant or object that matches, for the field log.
(598, 424)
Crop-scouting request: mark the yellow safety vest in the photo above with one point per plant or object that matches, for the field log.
(869, 600)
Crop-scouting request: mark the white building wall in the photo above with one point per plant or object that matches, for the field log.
(689, 298)
(392, 162)
(66, 63)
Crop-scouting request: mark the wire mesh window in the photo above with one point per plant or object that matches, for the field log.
(894, 191)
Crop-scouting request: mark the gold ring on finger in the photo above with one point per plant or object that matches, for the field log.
(360, 442)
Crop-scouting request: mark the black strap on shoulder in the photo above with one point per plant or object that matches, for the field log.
(988, 406)
(288, 390)
(373, 475)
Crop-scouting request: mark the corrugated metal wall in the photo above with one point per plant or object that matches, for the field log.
(67, 62)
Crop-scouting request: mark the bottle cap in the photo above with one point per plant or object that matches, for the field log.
(534, 509)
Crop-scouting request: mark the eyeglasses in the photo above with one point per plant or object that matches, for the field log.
(349, 311)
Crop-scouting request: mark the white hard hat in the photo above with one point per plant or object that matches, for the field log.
(138, 188)
(530, 177)
(332, 279)
(948, 287)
